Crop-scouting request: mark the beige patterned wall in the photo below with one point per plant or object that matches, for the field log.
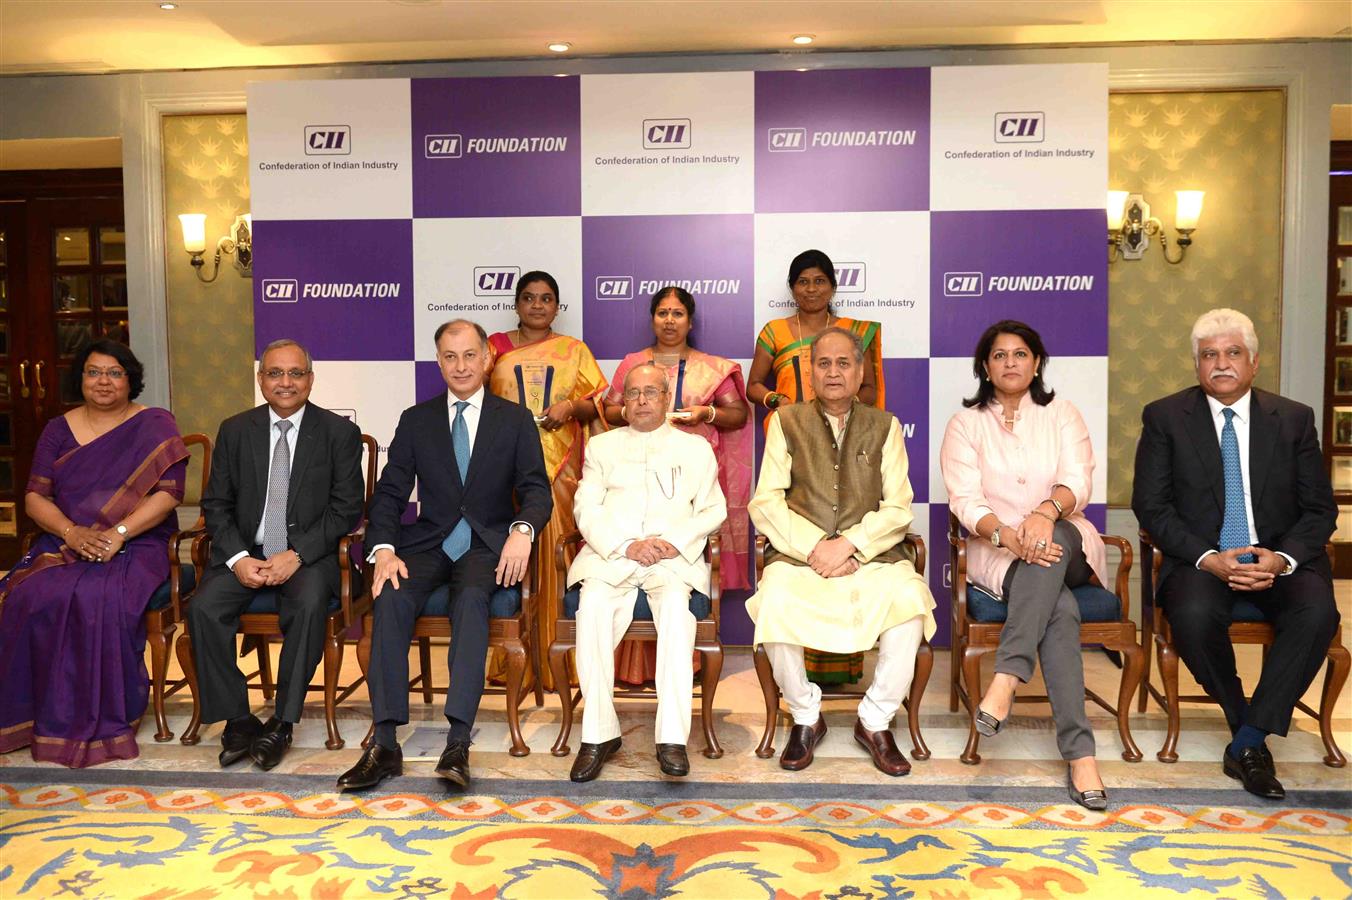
(1228, 144)
(206, 170)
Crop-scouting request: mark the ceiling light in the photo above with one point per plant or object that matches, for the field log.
(560, 47)
(802, 39)
(168, 6)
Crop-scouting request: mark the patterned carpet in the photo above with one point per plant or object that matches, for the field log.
(216, 835)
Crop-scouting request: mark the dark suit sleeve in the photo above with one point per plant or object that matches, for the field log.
(1152, 492)
(220, 500)
(394, 487)
(1304, 541)
(535, 500)
(346, 493)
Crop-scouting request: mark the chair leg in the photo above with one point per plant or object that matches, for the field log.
(558, 666)
(924, 664)
(425, 663)
(333, 663)
(971, 675)
(766, 748)
(528, 638)
(516, 670)
(264, 666)
(1168, 663)
(183, 649)
(954, 672)
(1131, 682)
(159, 665)
(1147, 638)
(711, 666)
(1339, 663)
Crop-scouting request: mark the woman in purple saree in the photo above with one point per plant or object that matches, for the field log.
(105, 479)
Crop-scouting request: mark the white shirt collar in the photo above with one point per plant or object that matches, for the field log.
(1240, 406)
(475, 400)
(294, 418)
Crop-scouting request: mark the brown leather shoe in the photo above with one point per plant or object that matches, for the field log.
(803, 739)
(883, 748)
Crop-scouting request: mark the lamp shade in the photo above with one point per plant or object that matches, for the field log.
(1117, 209)
(1189, 209)
(194, 232)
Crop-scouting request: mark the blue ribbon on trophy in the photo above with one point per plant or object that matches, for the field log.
(534, 386)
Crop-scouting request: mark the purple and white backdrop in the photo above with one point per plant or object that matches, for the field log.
(948, 198)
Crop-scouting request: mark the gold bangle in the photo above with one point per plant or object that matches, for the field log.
(1060, 510)
(712, 414)
(1038, 512)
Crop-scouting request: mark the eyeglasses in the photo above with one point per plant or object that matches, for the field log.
(648, 393)
(276, 374)
(114, 374)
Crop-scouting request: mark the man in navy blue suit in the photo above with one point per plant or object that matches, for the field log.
(472, 455)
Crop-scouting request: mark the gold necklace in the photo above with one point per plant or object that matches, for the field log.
(89, 422)
(798, 319)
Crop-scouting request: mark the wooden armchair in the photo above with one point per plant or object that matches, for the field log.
(924, 664)
(707, 643)
(1247, 627)
(511, 628)
(978, 619)
(261, 622)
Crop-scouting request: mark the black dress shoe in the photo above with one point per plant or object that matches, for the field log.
(590, 759)
(803, 739)
(671, 759)
(1096, 800)
(454, 763)
(236, 740)
(1250, 769)
(1268, 762)
(268, 748)
(376, 764)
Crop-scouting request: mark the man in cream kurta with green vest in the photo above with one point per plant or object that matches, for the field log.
(834, 501)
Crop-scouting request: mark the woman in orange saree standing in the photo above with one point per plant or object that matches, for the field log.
(709, 399)
(784, 349)
(557, 377)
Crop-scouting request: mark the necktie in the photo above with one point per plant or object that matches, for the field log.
(1235, 525)
(279, 485)
(457, 542)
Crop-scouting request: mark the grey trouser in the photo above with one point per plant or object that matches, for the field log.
(1045, 619)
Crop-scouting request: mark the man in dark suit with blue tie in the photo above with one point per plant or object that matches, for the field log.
(483, 494)
(1231, 486)
(285, 485)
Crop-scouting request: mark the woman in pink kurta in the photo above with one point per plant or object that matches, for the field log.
(1018, 466)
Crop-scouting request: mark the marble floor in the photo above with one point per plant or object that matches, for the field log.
(1024, 754)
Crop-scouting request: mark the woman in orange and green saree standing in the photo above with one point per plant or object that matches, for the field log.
(557, 378)
(106, 478)
(708, 398)
(783, 351)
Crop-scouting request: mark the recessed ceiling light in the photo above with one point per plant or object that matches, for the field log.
(168, 6)
(560, 47)
(802, 39)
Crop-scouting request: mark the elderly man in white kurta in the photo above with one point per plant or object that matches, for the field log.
(834, 501)
(646, 504)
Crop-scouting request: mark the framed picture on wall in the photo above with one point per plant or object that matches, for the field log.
(1342, 325)
(1342, 426)
(1342, 474)
(1343, 533)
(1342, 375)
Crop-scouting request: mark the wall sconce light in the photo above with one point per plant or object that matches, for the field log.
(238, 242)
(1130, 225)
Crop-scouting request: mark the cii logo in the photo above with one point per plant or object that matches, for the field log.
(666, 134)
(495, 281)
(962, 284)
(1019, 128)
(788, 140)
(280, 290)
(614, 287)
(443, 146)
(851, 277)
(328, 140)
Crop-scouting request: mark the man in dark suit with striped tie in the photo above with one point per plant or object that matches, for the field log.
(483, 495)
(1231, 486)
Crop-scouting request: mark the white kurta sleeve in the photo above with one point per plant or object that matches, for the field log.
(599, 529)
(1075, 457)
(884, 527)
(961, 466)
(787, 532)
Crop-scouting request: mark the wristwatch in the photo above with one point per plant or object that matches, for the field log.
(522, 528)
(121, 530)
(995, 535)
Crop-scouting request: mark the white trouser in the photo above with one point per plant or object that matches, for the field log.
(897, 647)
(603, 614)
